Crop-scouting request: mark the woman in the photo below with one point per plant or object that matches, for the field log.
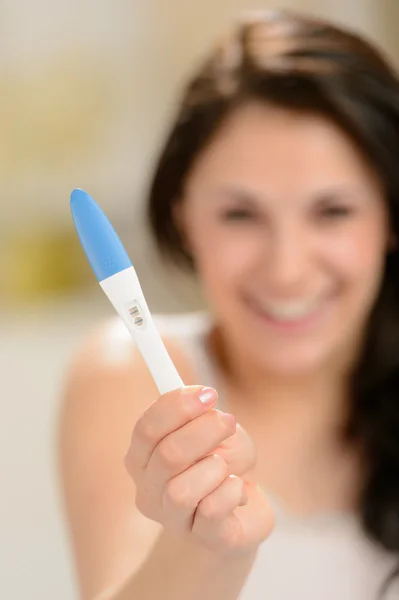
(279, 186)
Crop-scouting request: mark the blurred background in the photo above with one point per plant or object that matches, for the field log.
(86, 91)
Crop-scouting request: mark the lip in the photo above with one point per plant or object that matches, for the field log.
(302, 325)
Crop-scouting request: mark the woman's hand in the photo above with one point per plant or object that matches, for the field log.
(188, 462)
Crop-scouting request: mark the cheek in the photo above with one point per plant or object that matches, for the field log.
(358, 257)
(224, 260)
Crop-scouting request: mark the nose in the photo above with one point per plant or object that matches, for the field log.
(288, 261)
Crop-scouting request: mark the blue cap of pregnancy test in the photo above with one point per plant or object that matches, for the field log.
(100, 242)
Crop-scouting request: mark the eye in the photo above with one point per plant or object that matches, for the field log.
(334, 211)
(238, 214)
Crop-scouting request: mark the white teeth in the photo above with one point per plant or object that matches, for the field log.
(290, 311)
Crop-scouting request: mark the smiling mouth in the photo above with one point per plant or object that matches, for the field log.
(289, 313)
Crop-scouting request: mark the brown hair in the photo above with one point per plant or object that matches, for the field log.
(287, 60)
(301, 63)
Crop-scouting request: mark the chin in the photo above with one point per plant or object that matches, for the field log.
(296, 363)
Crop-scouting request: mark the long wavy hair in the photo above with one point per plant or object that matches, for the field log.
(301, 63)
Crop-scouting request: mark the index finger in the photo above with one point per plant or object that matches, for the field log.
(167, 414)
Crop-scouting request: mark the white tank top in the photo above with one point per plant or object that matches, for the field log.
(325, 557)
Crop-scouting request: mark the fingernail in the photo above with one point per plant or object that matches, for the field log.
(227, 418)
(230, 419)
(208, 396)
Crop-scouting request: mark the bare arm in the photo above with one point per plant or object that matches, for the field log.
(104, 397)
(177, 570)
(120, 554)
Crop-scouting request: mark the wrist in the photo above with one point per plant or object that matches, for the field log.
(193, 550)
(186, 569)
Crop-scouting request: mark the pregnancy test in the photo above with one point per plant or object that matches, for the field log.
(118, 279)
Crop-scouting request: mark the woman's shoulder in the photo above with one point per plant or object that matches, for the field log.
(111, 345)
(173, 327)
(108, 356)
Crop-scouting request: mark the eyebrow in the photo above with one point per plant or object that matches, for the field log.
(245, 196)
(333, 191)
(343, 192)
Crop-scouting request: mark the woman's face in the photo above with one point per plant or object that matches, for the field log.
(288, 229)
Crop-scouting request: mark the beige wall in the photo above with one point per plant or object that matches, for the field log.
(86, 85)
(389, 19)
